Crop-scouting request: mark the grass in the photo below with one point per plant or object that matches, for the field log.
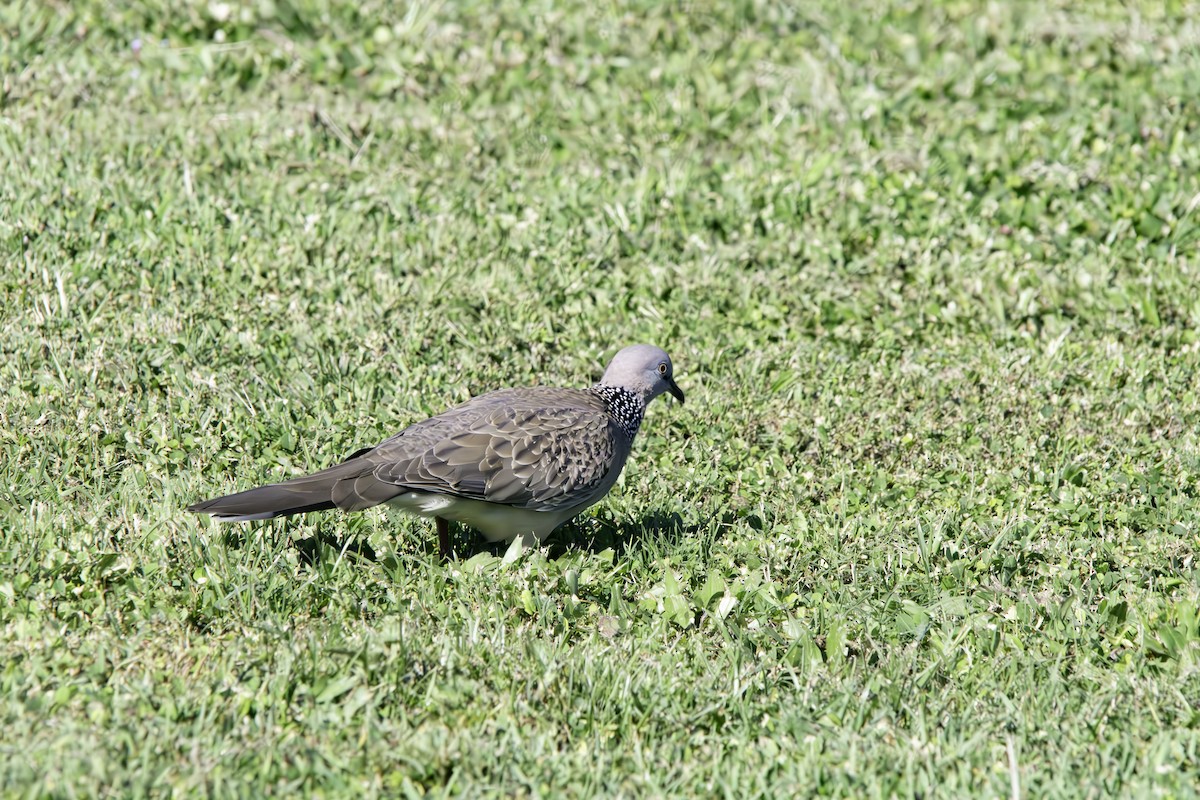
(926, 526)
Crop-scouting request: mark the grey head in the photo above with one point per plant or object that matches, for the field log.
(644, 370)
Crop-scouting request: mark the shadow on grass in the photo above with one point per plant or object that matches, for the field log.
(593, 535)
(309, 548)
(599, 534)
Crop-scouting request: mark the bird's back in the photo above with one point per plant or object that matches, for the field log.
(540, 448)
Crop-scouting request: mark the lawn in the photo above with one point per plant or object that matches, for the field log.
(929, 273)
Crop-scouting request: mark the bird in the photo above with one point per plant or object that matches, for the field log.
(512, 463)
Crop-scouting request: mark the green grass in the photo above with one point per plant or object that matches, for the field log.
(929, 273)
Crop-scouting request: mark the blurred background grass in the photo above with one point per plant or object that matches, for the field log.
(928, 273)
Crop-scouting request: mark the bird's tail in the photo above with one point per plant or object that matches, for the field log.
(264, 502)
(347, 486)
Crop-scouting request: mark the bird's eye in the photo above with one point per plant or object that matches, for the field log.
(662, 368)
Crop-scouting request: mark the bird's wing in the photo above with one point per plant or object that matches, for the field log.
(545, 449)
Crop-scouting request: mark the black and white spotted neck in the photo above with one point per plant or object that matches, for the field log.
(627, 408)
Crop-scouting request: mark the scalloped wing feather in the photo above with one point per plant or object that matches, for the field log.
(540, 448)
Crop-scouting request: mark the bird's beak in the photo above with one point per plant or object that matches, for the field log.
(675, 391)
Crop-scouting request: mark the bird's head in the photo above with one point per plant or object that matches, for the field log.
(644, 370)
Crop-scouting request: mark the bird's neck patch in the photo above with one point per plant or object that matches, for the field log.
(626, 407)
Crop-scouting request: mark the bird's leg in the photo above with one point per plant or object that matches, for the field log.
(443, 529)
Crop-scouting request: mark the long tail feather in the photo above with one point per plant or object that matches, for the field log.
(265, 502)
(307, 493)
